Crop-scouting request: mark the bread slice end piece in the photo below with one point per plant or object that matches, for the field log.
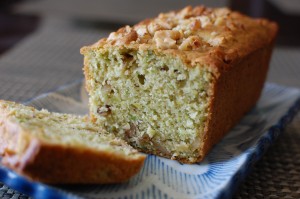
(44, 153)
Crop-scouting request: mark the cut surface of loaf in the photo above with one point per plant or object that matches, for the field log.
(62, 148)
(174, 85)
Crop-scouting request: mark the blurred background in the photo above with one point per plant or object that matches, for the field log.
(40, 42)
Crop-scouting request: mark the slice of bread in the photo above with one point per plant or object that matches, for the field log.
(174, 85)
(62, 148)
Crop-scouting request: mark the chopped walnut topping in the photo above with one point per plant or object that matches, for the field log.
(113, 36)
(191, 43)
(142, 30)
(158, 25)
(219, 21)
(217, 41)
(165, 39)
(131, 36)
(123, 36)
(205, 21)
(195, 25)
(197, 28)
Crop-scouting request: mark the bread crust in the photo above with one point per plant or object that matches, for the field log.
(235, 92)
(61, 163)
(56, 164)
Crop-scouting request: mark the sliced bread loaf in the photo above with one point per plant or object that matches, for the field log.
(62, 148)
(174, 85)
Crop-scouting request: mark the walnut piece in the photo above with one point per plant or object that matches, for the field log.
(191, 43)
(123, 36)
(157, 25)
(166, 39)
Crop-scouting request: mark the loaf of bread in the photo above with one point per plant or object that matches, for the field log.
(176, 84)
(61, 148)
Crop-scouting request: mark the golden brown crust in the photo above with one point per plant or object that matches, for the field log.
(61, 163)
(235, 93)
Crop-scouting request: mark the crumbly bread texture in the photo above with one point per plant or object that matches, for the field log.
(62, 148)
(174, 85)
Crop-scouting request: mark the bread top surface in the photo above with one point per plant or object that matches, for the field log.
(26, 124)
(197, 35)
